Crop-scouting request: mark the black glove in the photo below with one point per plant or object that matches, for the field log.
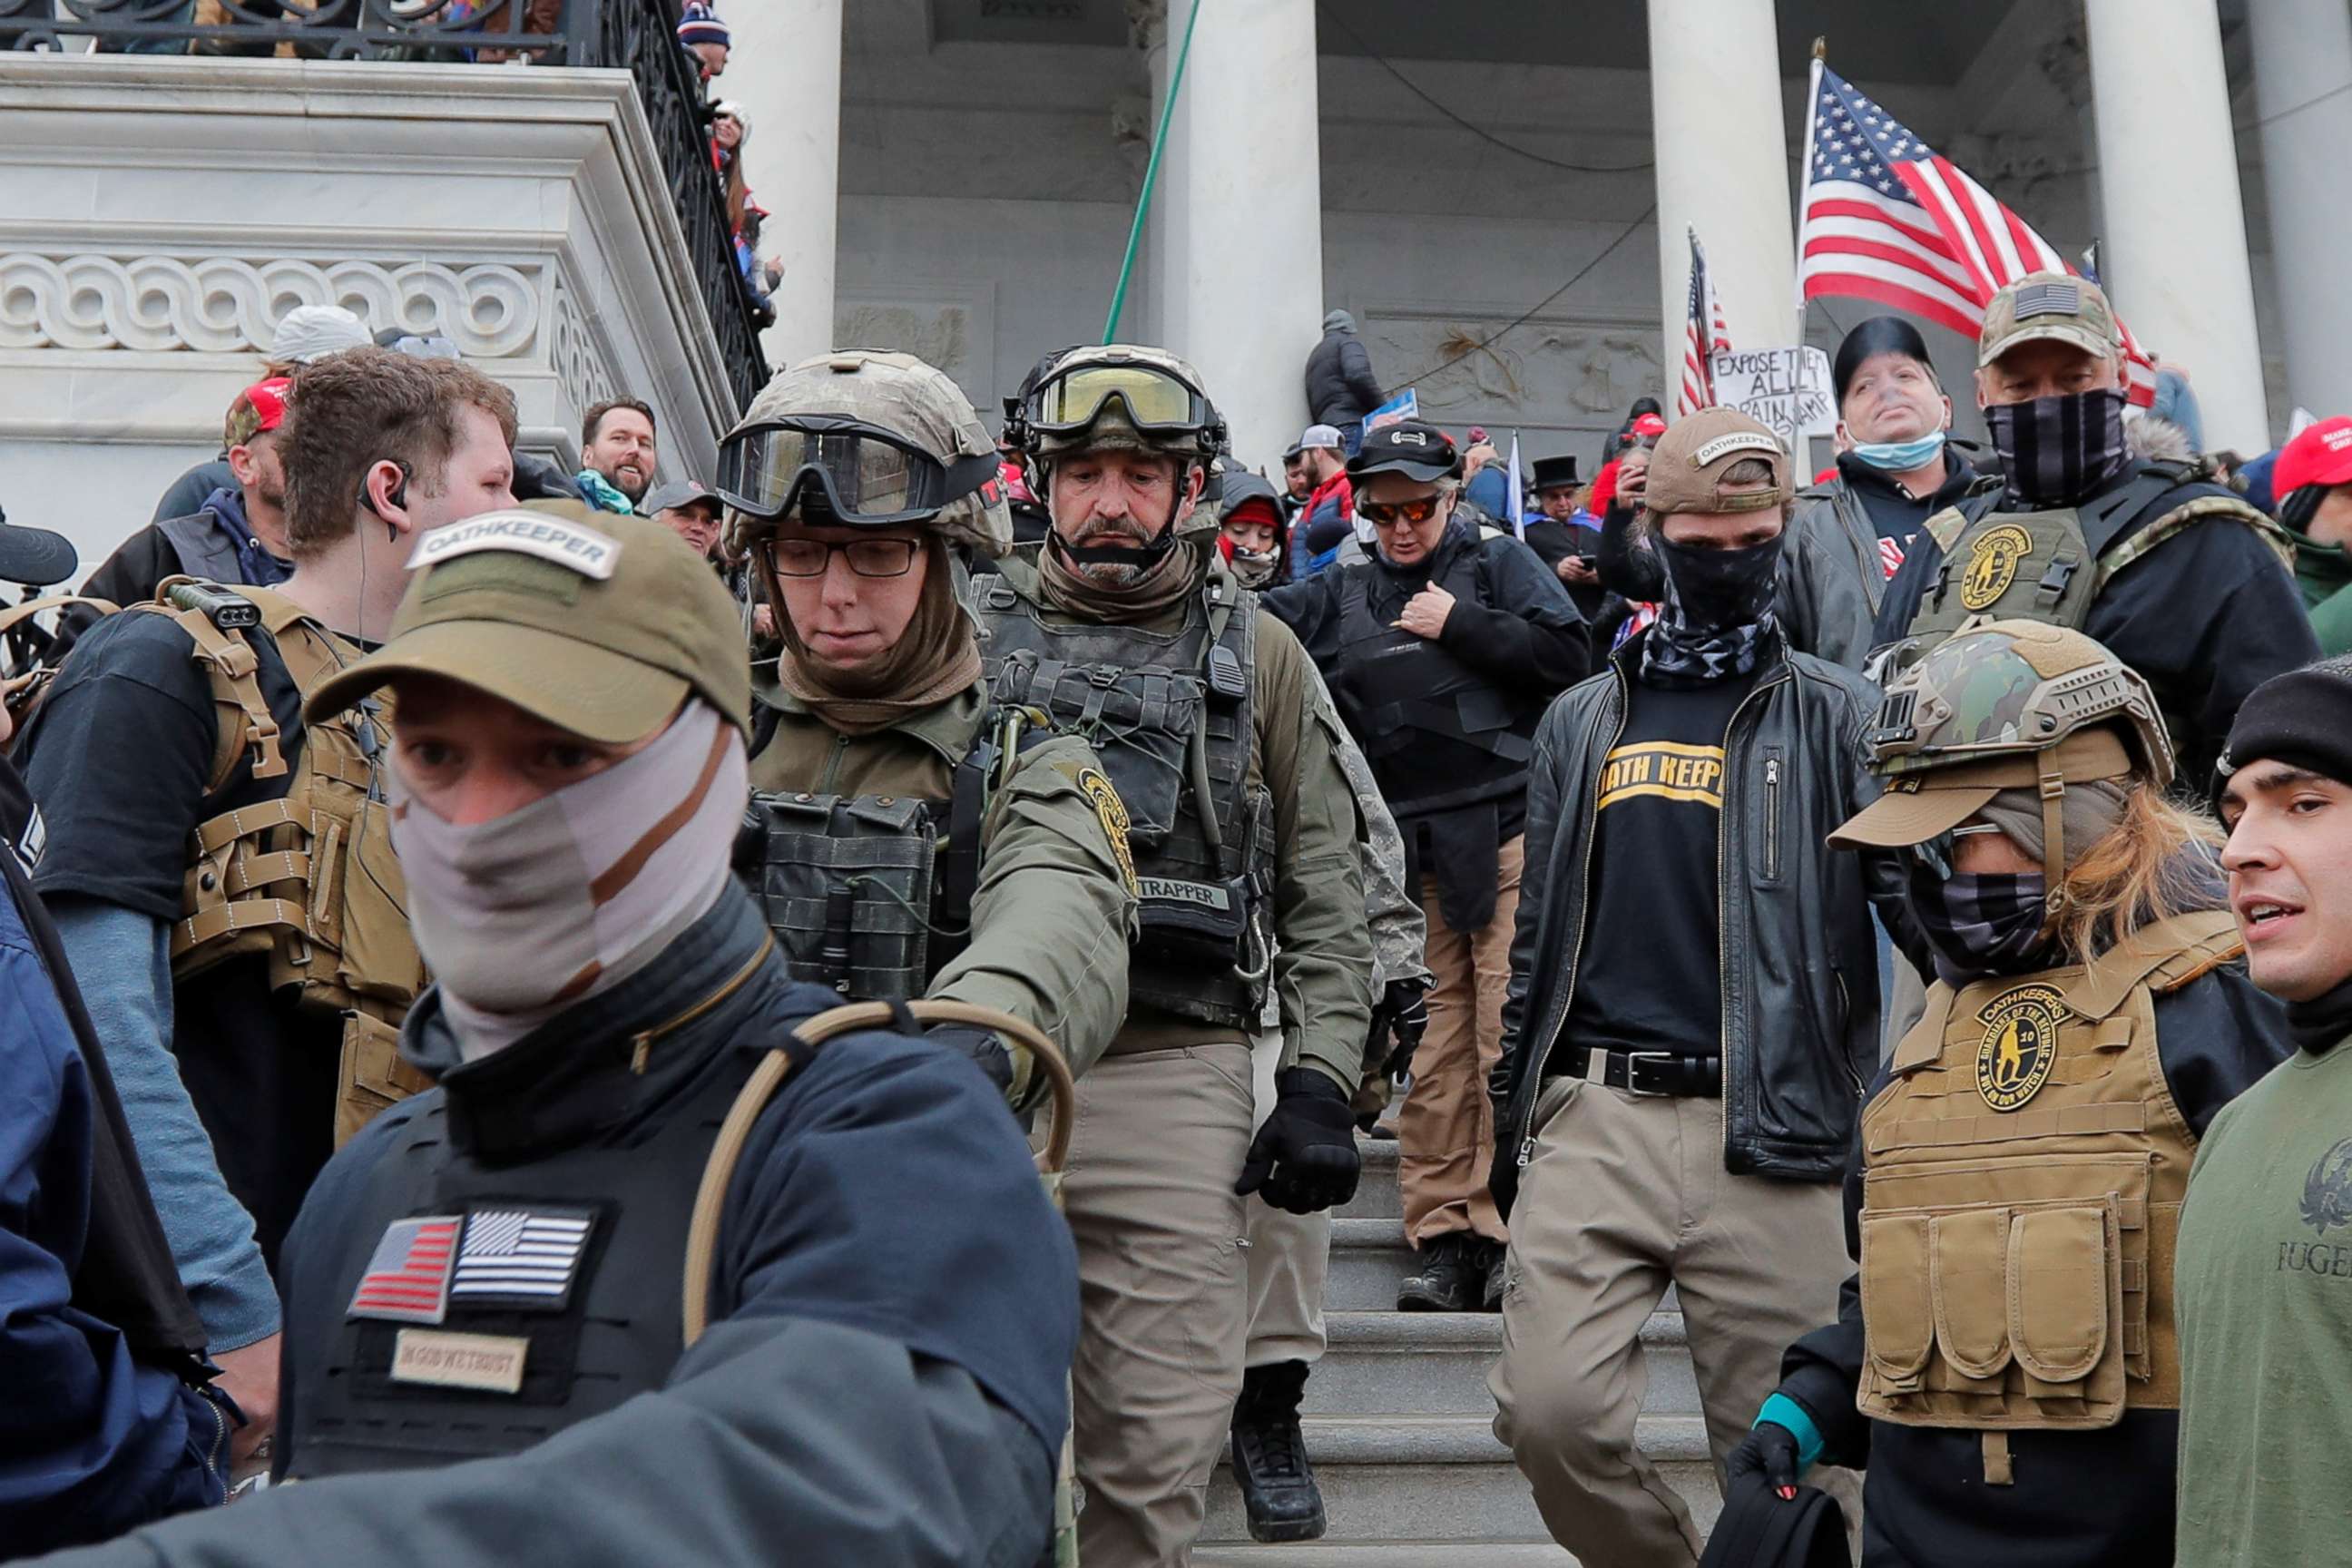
(1406, 1004)
(1770, 1450)
(1305, 1157)
(987, 1052)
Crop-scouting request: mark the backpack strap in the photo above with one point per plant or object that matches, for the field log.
(235, 669)
(2186, 516)
(16, 616)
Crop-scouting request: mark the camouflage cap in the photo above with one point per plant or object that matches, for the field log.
(1687, 470)
(598, 623)
(909, 397)
(2057, 306)
(2000, 705)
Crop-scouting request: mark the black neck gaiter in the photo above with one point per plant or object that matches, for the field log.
(2319, 1026)
(1717, 608)
(2058, 450)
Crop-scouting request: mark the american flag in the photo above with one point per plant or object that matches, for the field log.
(1889, 218)
(520, 1252)
(1704, 334)
(407, 1277)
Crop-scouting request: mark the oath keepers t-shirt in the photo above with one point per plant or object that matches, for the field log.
(1647, 977)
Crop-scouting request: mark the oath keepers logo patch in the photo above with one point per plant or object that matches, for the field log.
(1993, 566)
(2021, 1043)
(1104, 795)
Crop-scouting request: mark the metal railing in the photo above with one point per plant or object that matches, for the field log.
(636, 36)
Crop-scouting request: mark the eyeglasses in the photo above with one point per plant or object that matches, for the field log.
(1941, 853)
(868, 474)
(1389, 514)
(814, 557)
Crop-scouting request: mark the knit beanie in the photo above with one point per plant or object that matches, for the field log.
(700, 24)
(2303, 718)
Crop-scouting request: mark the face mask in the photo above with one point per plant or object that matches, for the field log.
(1719, 590)
(2057, 450)
(1899, 457)
(1252, 567)
(1980, 923)
(572, 894)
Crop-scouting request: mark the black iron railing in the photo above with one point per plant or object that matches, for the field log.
(636, 36)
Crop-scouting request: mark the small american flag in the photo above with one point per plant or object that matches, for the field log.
(527, 1254)
(407, 1277)
(1703, 335)
(1889, 218)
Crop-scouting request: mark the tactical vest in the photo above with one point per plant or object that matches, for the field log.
(615, 1330)
(309, 879)
(1170, 714)
(2023, 1171)
(1439, 733)
(2051, 566)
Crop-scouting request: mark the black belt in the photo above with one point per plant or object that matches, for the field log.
(1648, 1072)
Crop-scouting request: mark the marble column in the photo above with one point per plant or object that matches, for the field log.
(785, 70)
(1237, 230)
(2174, 229)
(2303, 58)
(1723, 169)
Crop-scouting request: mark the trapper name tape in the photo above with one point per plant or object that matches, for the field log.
(1737, 441)
(583, 550)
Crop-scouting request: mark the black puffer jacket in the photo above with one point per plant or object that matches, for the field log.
(1340, 387)
(1801, 977)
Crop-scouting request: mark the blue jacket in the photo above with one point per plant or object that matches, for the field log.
(92, 1441)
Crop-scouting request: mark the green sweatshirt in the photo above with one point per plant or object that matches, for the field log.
(2323, 572)
(2262, 1292)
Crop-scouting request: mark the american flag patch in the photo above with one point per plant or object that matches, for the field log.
(2056, 298)
(1890, 556)
(407, 1277)
(521, 1256)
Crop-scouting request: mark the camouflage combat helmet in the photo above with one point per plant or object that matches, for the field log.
(2005, 705)
(1120, 397)
(905, 397)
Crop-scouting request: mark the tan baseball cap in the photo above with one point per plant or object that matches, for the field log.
(595, 622)
(2058, 306)
(1687, 467)
(1917, 806)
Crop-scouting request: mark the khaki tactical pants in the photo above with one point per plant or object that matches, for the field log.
(1149, 1196)
(1445, 1129)
(1289, 1253)
(1625, 1194)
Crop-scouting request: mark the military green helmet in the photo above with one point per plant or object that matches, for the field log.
(2007, 688)
(870, 392)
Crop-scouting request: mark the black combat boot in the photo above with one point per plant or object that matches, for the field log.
(1270, 1462)
(1452, 1277)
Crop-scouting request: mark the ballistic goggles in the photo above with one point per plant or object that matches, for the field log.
(1154, 399)
(868, 474)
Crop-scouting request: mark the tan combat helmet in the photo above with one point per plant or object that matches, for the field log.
(1120, 397)
(886, 438)
(2005, 705)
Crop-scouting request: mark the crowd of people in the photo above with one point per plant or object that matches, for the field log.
(1899, 912)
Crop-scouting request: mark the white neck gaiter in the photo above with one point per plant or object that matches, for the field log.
(524, 915)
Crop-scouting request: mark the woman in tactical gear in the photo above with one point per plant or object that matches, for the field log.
(2005, 1362)
(905, 839)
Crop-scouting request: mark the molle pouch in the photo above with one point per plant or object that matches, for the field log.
(1141, 722)
(378, 956)
(846, 886)
(2065, 1307)
(1898, 1323)
(1189, 922)
(372, 1075)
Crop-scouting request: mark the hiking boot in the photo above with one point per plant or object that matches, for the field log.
(1270, 1463)
(1452, 1277)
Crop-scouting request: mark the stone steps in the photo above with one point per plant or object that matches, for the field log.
(1436, 1364)
(1471, 1553)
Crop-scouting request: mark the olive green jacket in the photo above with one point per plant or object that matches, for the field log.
(1054, 911)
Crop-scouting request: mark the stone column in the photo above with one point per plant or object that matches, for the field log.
(2175, 233)
(1237, 228)
(1723, 169)
(785, 70)
(2303, 58)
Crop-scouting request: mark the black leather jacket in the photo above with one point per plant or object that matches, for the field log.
(1800, 961)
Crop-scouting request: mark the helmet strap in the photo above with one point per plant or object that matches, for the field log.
(2053, 834)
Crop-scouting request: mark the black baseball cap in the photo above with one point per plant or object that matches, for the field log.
(35, 557)
(1410, 447)
(679, 492)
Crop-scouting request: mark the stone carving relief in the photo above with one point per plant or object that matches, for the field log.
(578, 354)
(941, 334)
(1548, 374)
(216, 304)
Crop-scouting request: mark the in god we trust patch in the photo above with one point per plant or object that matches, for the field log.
(550, 538)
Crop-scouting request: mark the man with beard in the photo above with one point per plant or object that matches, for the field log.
(1692, 1006)
(1246, 835)
(1894, 468)
(2176, 575)
(616, 455)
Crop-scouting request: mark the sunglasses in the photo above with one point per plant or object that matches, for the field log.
(1389, 514)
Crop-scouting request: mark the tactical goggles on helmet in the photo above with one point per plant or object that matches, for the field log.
(1153, 399)
(868, 474)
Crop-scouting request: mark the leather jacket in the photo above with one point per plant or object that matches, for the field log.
(1800, 962)
(1832, 582)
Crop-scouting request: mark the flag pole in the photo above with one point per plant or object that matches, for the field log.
(1518, 501)
(1805, 188)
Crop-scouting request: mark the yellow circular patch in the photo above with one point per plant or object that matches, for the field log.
(1993, 566)
(2020, 1045)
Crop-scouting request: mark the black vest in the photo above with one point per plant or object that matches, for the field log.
(1438, 733)
(1170, 713)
